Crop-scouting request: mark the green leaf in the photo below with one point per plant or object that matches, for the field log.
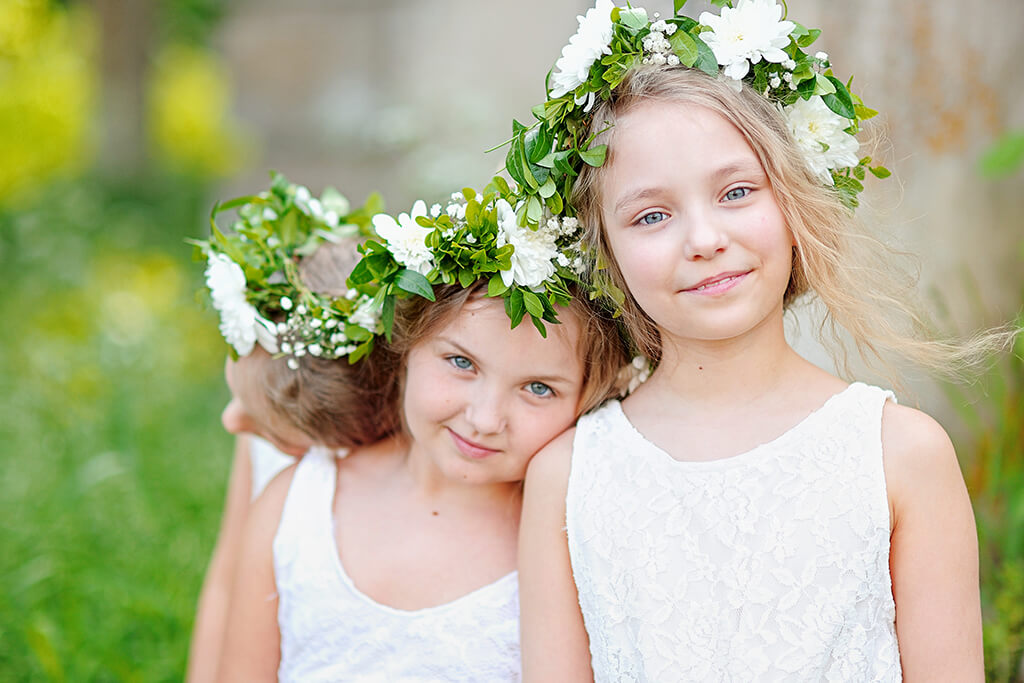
(594, 156)
(496, 286)
(799, 30)
(808, 38)
(633, 18)
(822, 86)
(533, 210)
(533, 304)
(514, 306)
(882, 172)
(1004, 157)
(706, 60)
(539, 324)
(361, 274)
(466, 278)
(840, 102)
(555, 203)
(864, 113)
(684, 47)
(387, 315)
(858, 172)
(548, 188)
(415, 283)
(677, 5)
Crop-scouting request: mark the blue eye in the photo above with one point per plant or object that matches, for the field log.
(737, 193)
(461, 362)
(652, 218)
(539, 389)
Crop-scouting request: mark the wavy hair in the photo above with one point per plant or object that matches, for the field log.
(852, 273)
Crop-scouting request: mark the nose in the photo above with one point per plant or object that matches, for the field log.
(703, 237)
(234, 418)
(486, 412)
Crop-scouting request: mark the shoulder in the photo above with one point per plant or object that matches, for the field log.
(268, 505)
(549, 469)
(918, 456)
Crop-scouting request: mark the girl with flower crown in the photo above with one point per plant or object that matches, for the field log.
(397, 562)
(743, 515)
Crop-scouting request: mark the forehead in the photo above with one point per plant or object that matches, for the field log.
(485, 329)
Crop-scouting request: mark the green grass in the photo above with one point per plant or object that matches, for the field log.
(114, 460)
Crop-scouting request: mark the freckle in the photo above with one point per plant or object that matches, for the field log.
(434, 513)
(700, 367)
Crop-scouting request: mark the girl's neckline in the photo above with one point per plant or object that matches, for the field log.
(339, 566)
(732, 460)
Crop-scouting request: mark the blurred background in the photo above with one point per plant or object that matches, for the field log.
(122, 121)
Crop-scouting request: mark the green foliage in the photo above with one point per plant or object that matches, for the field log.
(545, 158)
(992, 456)
(1005, 156)
(113, 456)
(470, 243)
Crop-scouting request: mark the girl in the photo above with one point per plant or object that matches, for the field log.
(277, 412)
(398, 561)
(743, 515)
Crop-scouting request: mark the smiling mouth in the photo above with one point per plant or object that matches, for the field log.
(469, 448)
(718, 283)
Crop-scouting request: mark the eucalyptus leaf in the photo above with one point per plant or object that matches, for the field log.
(684, 47)
(706, 60)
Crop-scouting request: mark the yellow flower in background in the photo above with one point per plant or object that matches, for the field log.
(190, 126)
(48, 81)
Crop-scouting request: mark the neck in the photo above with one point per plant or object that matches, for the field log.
(710, 372)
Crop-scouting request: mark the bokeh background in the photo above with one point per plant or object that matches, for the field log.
(122, 121)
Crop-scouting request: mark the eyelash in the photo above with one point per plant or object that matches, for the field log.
(548, 391)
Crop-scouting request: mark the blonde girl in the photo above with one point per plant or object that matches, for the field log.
(398, 561)
(744, 515)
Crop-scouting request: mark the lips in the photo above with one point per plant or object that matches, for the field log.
(470, 449)
(718, 283)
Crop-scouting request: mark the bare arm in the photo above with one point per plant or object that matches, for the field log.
(252, 641)
(934, 552)
(211, 614)
(554, 640)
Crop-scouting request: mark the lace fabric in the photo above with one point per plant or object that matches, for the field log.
(772, 565)
(330, 631)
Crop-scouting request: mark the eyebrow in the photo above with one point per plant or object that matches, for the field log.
(721, 172)
(544, 379)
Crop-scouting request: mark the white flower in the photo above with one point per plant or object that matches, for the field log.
(534, 250)
(746, 34)
(435, 210)
(820, 133)
(405, 238)
(240, 323)
(367, 315)
(821, 56)
(591, 40)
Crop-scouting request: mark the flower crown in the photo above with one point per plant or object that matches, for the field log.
(253, 274)
(750, 42)
(475, 237)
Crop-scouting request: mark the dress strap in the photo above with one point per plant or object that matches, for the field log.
(306, 519)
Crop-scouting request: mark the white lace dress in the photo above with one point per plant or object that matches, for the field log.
(772, 565)
(267, 462)
(330, 631)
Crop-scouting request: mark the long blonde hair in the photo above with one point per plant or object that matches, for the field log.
(834, 258)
